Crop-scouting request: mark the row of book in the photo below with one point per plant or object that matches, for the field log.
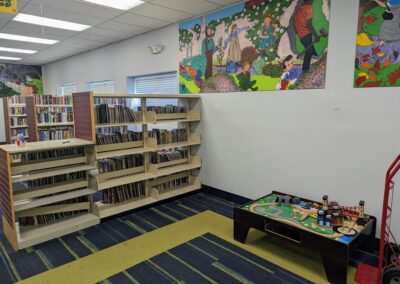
(129, 136)
(124, 193)
(19, 131)
(173, 184)
(17, 121)
(168, 155)
(54, 109)
(56, 180)
(51, 218)
(58, 133)
(18, 111)
(47, 117)
(110, 101)
(57, 153)
(121, 163)
(164, 136)
(16, 100)
(112, 130)
(53, 100)
(106, 114)
(166, 109)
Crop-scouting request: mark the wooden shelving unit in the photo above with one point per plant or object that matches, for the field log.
(150, 174)
(22, 196)
(34, 126)
(14, 109)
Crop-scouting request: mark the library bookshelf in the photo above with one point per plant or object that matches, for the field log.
(40, 130)
(15, 118)
(46, 190)
(179, 176)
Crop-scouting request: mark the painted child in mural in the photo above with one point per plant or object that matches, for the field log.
(290, 74)
(208, 49)
(245, 78)
(305, 30)
(390, 29)
(234, 49)
(195, 75)
(267, 33)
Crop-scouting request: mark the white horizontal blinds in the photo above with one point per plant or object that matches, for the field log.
(67, 89)
(103, 87)
(158, 84)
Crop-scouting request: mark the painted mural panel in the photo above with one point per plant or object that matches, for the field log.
(377, 61)
(16, 79)
(258, 45)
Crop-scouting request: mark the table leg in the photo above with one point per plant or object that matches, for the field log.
(336, 270)
(240, 232)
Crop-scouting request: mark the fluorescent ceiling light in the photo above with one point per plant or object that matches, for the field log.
(117, 4)
(27, 39)
(42, 21)
(9, 58)
(17, 50)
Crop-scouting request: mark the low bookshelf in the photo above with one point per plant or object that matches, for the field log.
(46, 190)
(145, 150)
(15, 118)
(50, 118)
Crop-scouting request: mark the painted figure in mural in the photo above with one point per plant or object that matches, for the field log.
(289, 75)
(195, 75)
(208, 49)
(267, 33)
(306, 31)
(234, 49)
(245, 78)
(390, 29)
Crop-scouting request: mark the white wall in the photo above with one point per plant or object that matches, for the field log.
(338, 141)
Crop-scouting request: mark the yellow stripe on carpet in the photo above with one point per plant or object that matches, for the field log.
(104, 264)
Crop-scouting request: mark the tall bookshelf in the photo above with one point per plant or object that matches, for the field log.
(50, 118)
(46, 190)
(15, 118)
(156, 181)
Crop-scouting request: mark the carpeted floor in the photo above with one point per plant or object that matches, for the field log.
(15, 266)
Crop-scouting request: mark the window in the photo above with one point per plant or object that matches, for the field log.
(102, 87)
(67, 89)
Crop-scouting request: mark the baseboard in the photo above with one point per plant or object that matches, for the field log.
(226, 195)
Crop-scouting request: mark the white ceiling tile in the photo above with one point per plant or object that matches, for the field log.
(22, 45)
(141, 21)
(107, 33)
(161, 13)
(24, 27)
(122, 27)
(188, 6)
(99, 38)
(32, 34)
(80, 43)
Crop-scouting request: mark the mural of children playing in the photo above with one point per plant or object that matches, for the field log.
(290, 74)
(234, 49)
(390, 30)
(267, 33)
(245, 78)
(195, 75)
(208, 49)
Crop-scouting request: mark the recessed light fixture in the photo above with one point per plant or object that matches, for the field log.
(42, 21)
(28, 39)
(17, 50)
(117, 4)
(9, 58)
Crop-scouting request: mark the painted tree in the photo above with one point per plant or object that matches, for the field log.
(185, 41)
(197, 30)
(365, 6)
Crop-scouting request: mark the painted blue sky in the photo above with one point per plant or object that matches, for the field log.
(213, 16)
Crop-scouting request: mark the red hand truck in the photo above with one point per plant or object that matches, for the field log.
(388, 270)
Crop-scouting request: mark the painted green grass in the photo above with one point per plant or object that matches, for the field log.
(189, 84)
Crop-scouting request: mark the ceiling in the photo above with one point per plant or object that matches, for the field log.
(108, 25)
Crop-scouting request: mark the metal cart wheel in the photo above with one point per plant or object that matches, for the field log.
(391, 255)
(391, 276)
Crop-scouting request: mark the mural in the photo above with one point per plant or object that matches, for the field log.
(377, 61)
(18, 79)
(258, 45)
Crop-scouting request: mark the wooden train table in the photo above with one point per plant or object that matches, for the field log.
(292, 219)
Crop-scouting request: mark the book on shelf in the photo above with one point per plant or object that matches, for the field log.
(53, 180)
(113, 135)
(16, 100)
(124, 193)
(173, 184)
(120, 163)
(19, 131)
(164, 136)
(57, 133)
(110, 101)
(109, 114)
(18, 121)
(17, 110)
(53, 100)
(52, 154)
(168, 155)
(166, 109)
(51, 218)
(44, 116)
